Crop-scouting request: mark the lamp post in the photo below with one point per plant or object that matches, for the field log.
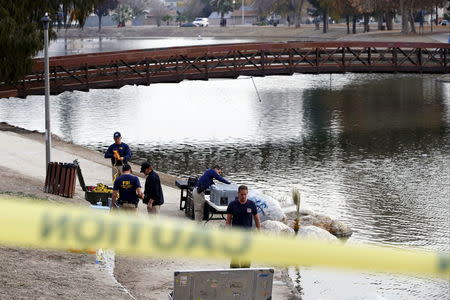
(48, 134)
(242, 9)
(234, 10)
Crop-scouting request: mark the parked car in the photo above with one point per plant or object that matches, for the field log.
(190, 24)
(444, 22)
(202, 22)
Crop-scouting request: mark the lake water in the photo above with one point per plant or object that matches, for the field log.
(372, 150)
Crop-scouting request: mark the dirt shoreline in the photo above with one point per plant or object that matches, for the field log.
(47, 274)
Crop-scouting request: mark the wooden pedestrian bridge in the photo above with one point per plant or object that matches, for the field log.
(144, 67)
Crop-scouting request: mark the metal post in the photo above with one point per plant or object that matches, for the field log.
(48, 134)
(242, 9)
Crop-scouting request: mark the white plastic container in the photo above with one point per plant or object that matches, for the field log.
(222, 194)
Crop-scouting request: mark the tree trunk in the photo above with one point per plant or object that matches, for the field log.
(100, 22)
(404, 14)
(296, 20)
(411, 21)
(380, 21)
(436, 19)
(325, 21)
(65, 16)
(389, 20)
(366, 23)
(300, 8)
(347, 21)
(354, 24)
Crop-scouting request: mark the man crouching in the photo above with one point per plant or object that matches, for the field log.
(126, 191)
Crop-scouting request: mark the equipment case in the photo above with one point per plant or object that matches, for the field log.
(222, 194)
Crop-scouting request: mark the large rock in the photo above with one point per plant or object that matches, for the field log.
(340, 230)
(313, 232)
(268, 207)
(308, 218)
(277, 227)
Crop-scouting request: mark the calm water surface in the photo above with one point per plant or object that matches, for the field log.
(368, 149)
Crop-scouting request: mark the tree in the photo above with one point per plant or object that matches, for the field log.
(180, 18)
(324, 8)
(291, 8)
(167, 19)
(123, 15)
(158, 10)
(21, 35)
(223, 7)
(193, 9)
(137, 6)
(348, 9)
(102, 9)
(265, 7)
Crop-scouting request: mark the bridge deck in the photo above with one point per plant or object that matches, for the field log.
(144, 67)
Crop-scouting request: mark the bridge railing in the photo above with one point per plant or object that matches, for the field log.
(144, 67)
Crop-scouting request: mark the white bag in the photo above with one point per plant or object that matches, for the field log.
(268, 208)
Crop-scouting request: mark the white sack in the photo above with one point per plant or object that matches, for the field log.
(268, 207)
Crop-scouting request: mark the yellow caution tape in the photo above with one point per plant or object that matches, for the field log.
(38, 225)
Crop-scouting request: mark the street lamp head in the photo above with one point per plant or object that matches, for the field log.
(45, 20)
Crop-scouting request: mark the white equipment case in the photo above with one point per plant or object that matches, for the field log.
(222, 194)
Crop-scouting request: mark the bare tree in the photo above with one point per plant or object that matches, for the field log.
(103, 9)
(193, 8)
(137, 6)
(158, 10)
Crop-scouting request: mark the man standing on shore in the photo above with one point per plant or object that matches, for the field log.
(126, 191)
(119, 153)
(204, 182)
(153, 194)
(240, 213)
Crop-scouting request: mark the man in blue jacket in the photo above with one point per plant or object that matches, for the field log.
(204, 183)
(119, 153)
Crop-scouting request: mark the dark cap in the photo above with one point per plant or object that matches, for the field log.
(126, 167)
(144, 166)
(117, 134)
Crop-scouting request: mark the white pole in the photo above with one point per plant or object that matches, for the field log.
(48, 134)
(242, 8)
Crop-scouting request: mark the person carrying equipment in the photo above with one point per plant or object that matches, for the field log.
(203, 183)
(119, 153)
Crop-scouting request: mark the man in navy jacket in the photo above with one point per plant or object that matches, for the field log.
(203, 183)
(123, 154)
(153, 194)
